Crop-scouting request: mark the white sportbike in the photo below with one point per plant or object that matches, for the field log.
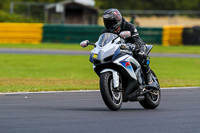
(121, 76)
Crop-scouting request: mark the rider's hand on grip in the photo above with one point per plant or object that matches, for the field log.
(127, 46)
(84, 43)
(131, 46)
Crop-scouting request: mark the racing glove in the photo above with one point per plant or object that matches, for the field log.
(127, 46)
(131, 46)
(84, 43)
(142, 50)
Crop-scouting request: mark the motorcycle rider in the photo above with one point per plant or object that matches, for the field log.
(115, 23)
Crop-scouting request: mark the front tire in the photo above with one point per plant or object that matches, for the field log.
(111, 97)
(152, 99)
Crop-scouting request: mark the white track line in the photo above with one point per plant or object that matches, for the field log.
(53, 92)
(180, 88)
(48, 92)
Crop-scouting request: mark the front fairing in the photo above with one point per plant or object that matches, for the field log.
(109, 55)
(105, 48)
(105, 38)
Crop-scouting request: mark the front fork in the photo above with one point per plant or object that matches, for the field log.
(115, 76)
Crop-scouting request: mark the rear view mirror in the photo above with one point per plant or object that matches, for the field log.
(84, 43)
(125, 34)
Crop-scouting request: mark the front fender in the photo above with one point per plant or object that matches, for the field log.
(115, 76)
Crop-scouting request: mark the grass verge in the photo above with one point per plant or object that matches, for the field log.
(22, 73)
(177, 49)
(61, 46)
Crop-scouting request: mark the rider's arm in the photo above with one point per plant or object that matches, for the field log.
(139, 44)
(136, 39)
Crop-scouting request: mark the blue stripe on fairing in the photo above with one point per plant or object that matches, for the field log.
(128, 67)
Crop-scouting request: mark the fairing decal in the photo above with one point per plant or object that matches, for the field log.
(127, 65)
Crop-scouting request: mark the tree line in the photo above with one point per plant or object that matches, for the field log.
(5, 4)
(149, 4)
(23, 13)
(36, 13)
(126, 4)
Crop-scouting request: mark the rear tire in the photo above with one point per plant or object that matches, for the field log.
(111, 97)
(152, 99)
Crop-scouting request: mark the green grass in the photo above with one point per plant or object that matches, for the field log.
(177, 49)
(177, 72)
(45, 72)
(74, 46)
(156, 49)
(21, 73)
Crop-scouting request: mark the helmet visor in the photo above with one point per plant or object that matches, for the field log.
(110, 24)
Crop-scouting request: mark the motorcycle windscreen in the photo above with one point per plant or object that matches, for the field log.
(105, 38)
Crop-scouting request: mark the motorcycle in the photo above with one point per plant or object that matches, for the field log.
(121, 76)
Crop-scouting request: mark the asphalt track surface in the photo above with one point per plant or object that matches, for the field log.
(80, 52)
(85, 112)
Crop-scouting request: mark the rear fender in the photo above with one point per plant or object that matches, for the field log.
(115, 76)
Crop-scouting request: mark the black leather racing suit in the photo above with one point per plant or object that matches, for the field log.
(134, 39)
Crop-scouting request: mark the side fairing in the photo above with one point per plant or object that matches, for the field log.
(126, 62)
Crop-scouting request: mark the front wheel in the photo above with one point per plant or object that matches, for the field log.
(111, 96)
(152, 99)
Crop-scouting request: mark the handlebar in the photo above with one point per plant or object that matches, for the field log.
(89, 43)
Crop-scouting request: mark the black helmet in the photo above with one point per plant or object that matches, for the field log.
(112, 19)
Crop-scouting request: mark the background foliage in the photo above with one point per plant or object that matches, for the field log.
(5, 4)
(7, 17)
(37, 12)
(149, 4)
(127, 4)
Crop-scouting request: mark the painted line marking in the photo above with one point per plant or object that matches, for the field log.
(82, 91)
(180, 88)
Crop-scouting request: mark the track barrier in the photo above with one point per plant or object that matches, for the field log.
(35, 33)
(78, 33)
(172, 35)
(30, 33)
(191, 35)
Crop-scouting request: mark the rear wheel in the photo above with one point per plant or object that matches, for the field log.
(112, 97)
(152, 99)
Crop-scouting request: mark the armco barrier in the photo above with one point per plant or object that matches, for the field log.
(30, 33)
(78, 33)
(191, 35)
(33, 33)
(71, 33)
(172, 35)
(151, 35)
